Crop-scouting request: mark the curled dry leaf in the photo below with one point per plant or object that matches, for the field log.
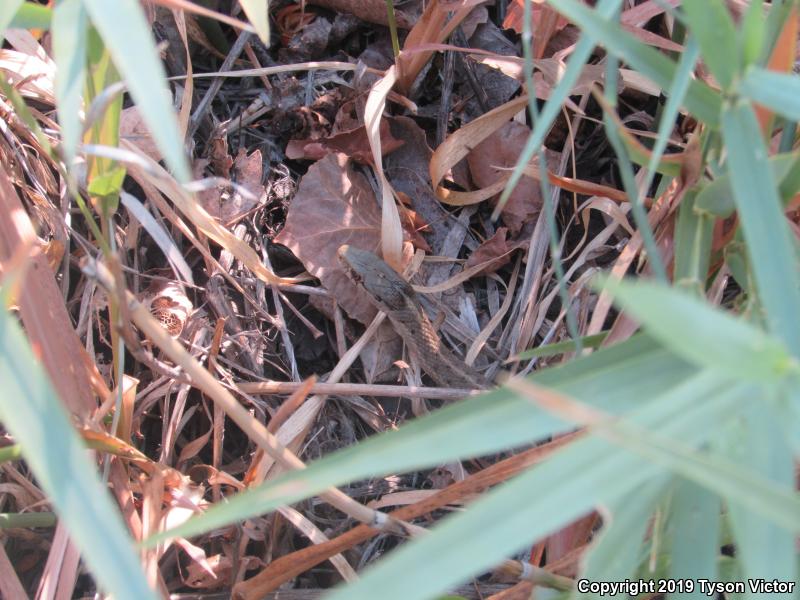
(494, 252)
(230, 204)
(488, 163)
(372, 11)
(354, 143)
(133, 129)
(335, 205)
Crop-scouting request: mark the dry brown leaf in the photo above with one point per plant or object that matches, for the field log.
(334, 205)
(502, 149)
(354, 143)
(372, 11)
(435, 25)
(228, 205)
(133, 129)
(496, 251)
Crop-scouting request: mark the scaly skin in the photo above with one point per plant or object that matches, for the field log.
(391, 294)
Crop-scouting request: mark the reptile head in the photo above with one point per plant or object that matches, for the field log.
(385, 287)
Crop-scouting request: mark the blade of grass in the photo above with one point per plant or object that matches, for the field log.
(464, 429)
(587, 473)
(32, 16)
(777, 91)
(764, 549)
(712, 26)
(127, 36)
(70, 23)
(617, 551)
(693, 329)
(765, 229)
(701, 100)
(30, 408)
(8, 10)
(257, 12)
(695, 531)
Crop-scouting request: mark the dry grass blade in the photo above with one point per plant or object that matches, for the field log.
(206, 382)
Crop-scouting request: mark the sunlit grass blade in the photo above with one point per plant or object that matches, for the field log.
(698, 332)
(466, 429)
(257, 12)
(712, 25)
(69, 51)
(766, 232)
(31, 410)
(127, 36)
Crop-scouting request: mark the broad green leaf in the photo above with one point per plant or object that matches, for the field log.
(777, 91)
(107, 184)
(127, 36)
(257, 12)
(8, 11)
(32, 16)
(763, 223)
(694, 536)
(32, 412)
(70, 24)
(716, 198)
(701, 100)
(706, 336)
(617, 551)
(587, 473)
(764, 549)
(614, 380)
(712, 25)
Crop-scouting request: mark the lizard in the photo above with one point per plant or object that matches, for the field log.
(393, 295)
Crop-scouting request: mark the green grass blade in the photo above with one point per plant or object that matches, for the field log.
(764, 549)
(127, 36)
(478, 426)
(716, 198)
(706, 336)
(694, 533)
(70, 23)
(712, 25)
(616, 553)
(764, 226)
(31, 410)
(776, 91)
(693, 236)
(701, 100)
(8, 11)
(585, 474)
(31, 16)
